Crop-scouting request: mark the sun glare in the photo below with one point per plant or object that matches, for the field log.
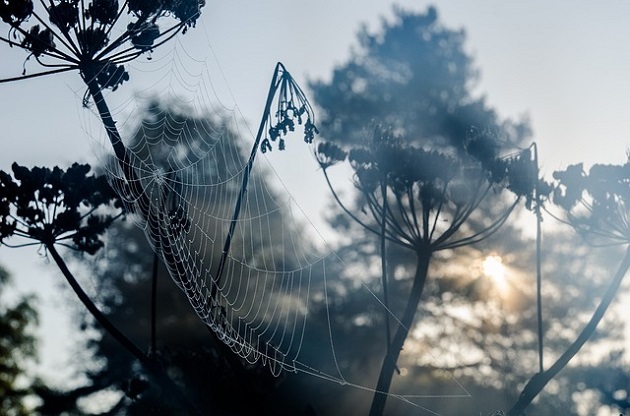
(493, 268)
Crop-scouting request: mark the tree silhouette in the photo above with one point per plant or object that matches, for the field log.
(180, 340)
(17, 345)
(414, 77)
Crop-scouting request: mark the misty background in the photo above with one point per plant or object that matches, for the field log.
(560, 65)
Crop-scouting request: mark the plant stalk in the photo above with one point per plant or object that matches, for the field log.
(273, 88)
(389, 363)
(540, 380)
(152, 366)
(121, 152)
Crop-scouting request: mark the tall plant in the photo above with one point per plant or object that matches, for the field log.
(596, 204)
(95, 38)
(50, 207)
(422, 199)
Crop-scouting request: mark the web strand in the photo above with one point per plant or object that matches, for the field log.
(264, 295)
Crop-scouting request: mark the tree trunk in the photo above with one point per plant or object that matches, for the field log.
(389, 362)
(540, 380)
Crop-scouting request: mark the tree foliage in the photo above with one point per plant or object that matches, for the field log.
(17, 345)
(415, 76)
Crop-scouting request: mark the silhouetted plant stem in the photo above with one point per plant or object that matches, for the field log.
(39, 74)
(389, 363)
(172, 260)
(538, 202)
(273, 88)
(120, 151)
(151, 366)
(89, 77)
(383, 248)
(540, 380)
(92, 308)
(124, 161)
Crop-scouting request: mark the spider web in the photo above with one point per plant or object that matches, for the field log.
(188, 146)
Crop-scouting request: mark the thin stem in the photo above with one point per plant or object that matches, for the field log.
(355, 218)
(438, 211)
(56, 55)
(404, 213)
(70, 43)
(383, 242)
(396, 226)
(481, 235)
(122, 154)
(540, 380)
(83, 25)
(128, 54)
(248, 168)
(121, 39)
(389, 363)
(538, 264)
(152, 366)
(92, 308)
(412, 209)
(394, 229)
(111, 26)
(458, 221)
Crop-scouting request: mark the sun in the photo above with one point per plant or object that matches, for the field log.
(494, 268)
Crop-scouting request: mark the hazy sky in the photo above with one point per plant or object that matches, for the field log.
(563, 63)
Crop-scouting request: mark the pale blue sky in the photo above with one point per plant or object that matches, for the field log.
(564, 63)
